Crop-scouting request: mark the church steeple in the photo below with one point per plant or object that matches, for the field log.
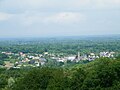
(78, 55)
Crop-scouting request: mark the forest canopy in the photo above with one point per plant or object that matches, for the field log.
(101, 74)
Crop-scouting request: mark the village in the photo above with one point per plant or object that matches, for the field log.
(36, 60)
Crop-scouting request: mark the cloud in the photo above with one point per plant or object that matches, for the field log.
(57, 5)
(30, 18)
(65, 18)
(107, 3)
(59, 16)
(5, 16)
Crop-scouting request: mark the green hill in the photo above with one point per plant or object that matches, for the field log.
(101, 74)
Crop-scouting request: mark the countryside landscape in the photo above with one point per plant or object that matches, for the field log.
(59, 44)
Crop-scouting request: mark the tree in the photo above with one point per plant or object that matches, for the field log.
(11, 82)
(77, 79)
(35, 79)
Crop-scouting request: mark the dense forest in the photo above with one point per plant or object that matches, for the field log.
(68, 45)
(101, 74)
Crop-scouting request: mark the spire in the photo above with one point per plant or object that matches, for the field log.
(78, 55)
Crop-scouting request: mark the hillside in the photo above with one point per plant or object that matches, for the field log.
(101, 74)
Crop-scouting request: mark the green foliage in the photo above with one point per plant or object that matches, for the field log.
(101, 74)
(2, 63)
(77, 79)
(58, 80)
(3, 80)
(3, 56)
(66, 46)
(11, 82)
(42, 79)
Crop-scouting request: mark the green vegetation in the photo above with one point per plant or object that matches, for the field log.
(3, 57)
(101, 74)
(64, 46)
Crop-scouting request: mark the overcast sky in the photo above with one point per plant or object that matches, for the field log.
(43, 18)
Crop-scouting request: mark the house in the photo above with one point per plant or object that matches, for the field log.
(71, 58)
(42, 61)
(31, 62)
(61, 60)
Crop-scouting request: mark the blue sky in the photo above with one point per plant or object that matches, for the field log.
(43, 18)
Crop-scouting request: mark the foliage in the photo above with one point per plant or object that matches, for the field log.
(101, 74)
(66, 46)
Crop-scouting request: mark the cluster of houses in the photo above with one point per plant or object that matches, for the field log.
(27, 59)
(40, 59)
(90, 57)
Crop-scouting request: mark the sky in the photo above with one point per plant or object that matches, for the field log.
(44, 18)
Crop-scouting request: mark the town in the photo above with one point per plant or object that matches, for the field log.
(18, 60)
